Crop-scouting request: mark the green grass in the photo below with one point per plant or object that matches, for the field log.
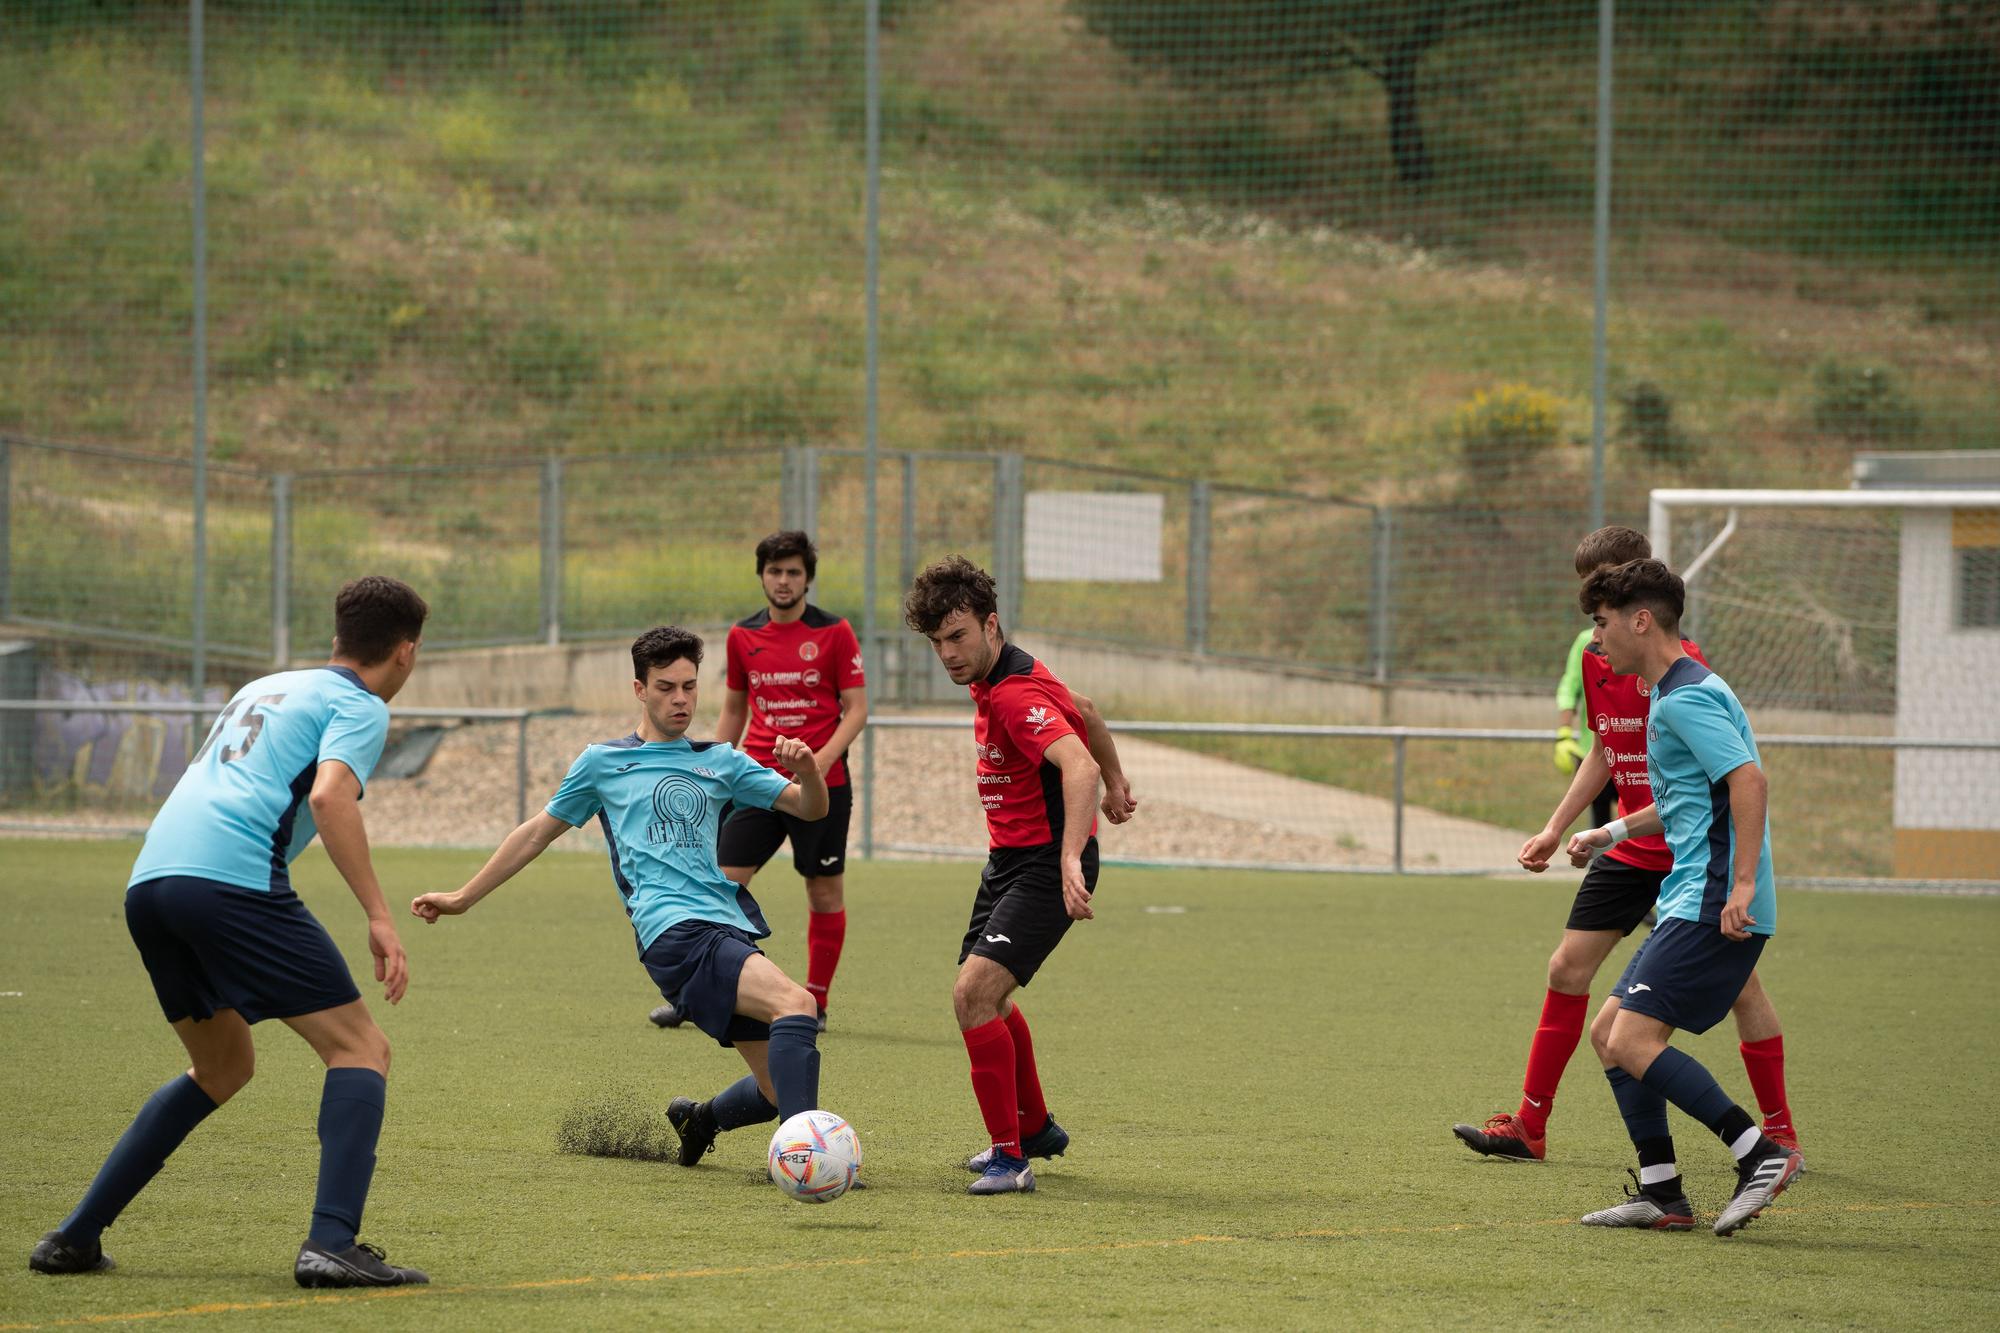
(1259, 1086)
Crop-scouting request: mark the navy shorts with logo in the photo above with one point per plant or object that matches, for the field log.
(210, 946)
(1018, 917)
(1614, 896)
(1687, 974)
(750, 837)
(696, 964)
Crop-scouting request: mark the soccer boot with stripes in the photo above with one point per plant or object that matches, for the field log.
(55, 1253)
(1503, 1135)
(358, 1265)
(1049, 1142)
(1645, 1209)
(1760, 1178)
(695, 1124)
(1004, 1175)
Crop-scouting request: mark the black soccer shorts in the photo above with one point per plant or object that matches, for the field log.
(750, 837)
(1018, 917)
(1614, 896)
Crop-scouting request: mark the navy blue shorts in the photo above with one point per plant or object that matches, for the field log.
(210, 946)
(1687, 975)
(696, 965)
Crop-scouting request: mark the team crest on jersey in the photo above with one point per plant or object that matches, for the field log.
(808, 651)
(1645, 690)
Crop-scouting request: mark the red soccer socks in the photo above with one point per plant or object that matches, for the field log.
(1027, 1079)
(990, 1047)
(1764, 1061)
(825, 933)
(1548, 1055)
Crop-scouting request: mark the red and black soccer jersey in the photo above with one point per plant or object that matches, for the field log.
(793, 672)
(1020, 709)
(1617, 707)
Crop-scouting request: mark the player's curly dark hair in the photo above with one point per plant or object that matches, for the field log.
(1646, 583)
(783, 546)
(952, 584)
(662, 646)
(1610, 546)
(374, 615)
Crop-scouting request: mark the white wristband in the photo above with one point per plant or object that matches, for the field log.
(1616, 828)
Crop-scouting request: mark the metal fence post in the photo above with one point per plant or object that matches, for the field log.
(6, 529)
(1200, 503)
(521, 770)
(798, 488)
(1380, 591)
(906, 570)
(552, 550)
(867, 793)
(1009, 520)
(281, 569)
(1402, 744)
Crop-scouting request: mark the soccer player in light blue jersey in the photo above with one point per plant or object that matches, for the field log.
(228, 944)
(657, 796)
(1718, 906)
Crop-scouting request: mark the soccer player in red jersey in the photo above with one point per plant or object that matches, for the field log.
(793, 670)
(1041, 751)
(1617, 892)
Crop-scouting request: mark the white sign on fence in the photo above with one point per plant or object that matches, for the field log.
(1098, 536)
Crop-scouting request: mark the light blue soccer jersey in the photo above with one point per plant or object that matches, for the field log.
(658, 803)
(1696, 736)
(239, 812)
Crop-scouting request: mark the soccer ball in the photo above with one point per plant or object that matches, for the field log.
(815, 1156)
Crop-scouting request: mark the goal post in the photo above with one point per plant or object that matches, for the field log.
(1860, 612)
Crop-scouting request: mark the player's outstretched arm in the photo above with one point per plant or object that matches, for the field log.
(1749, 795)
(805, 798)
(1585, 846)
(1119, 804)
(335, 800)
(1079, 786)
(1592, 772)
(528, 841)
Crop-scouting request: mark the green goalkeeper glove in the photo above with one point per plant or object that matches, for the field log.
(1569, 750)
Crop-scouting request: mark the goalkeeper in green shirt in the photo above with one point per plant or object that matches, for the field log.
(1573, 742)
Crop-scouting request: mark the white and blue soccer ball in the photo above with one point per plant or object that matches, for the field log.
(815, 1157)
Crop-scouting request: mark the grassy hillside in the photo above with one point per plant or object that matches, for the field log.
(436, 243)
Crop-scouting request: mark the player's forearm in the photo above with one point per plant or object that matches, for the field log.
(1097, 737)
(514, 853)
(1644, 823)
(338, 819)
(1749, 796)
(1079, 787)
(1592, 772)
(853, 717)
(729, 727)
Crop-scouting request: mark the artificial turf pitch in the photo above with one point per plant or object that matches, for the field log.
(1259, 1071)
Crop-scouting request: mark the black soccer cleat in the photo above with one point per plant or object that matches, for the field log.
(668, 1015)
(695, 1123)
(822, 1019)
(53, 1253)
(1051, 1142)
(358, 1265)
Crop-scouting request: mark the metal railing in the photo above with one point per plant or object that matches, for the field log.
(518, 716)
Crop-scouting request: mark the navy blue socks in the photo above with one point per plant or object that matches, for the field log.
(794, 1057)
(1679, 1078)
(741, 1103)
(350, 1121)
(168, 1117)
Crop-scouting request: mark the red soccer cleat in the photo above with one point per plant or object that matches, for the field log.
(1503, 1136)
(1787, 1138)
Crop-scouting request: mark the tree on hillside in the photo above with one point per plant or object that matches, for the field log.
(1221, 42)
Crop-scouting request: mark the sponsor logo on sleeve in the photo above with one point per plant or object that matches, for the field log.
(1039, 717)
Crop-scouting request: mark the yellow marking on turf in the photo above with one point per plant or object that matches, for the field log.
(918, 1256)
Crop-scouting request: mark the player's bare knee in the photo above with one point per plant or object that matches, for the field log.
(1600, 1034)
(224, 1078)
(826, 893)
(797, 1002)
